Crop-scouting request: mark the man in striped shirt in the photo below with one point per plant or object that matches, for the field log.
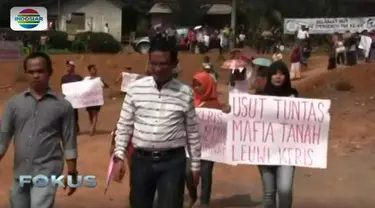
(158, 112)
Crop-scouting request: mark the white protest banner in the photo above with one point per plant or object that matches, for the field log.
(84, 93)
(267, 130)
(213, 131)
(10, 50)
(329, 25)
(127, 79)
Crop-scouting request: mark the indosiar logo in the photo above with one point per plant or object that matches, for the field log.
(28, 19)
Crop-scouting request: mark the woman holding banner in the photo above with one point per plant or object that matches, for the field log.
(205, 96)
(278, 179)
(93, 111)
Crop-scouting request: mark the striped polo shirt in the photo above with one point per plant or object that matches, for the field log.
(159, 119)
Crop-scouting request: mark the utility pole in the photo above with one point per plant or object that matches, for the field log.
(232, 42)
(58, 26)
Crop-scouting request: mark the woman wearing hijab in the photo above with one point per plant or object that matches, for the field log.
(205, 96)
(278, 180)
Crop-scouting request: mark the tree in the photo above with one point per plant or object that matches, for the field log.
(135, 15)
(188, 12)
(141, 6)
(272, 12)
(254, 11)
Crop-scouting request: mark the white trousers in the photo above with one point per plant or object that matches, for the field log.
(295, 70)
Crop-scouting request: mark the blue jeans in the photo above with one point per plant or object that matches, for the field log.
(206, 182)
(277, 179)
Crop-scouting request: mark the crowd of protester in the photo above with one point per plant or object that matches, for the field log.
(157, 124)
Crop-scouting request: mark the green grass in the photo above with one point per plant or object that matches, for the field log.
(51, 51)
(54, 51)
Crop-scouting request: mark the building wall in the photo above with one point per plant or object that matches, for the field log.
(97, 14)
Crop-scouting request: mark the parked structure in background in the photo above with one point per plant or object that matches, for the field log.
(218, 12)
(87, 15)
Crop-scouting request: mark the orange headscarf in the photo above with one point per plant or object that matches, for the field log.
(209, 97)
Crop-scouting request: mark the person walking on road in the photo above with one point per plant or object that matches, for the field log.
(93, 111)
(159, 114)
(42, 124)
(278, 180)
(295, 60)
(70, 77)
(205, 96)
(302, 34)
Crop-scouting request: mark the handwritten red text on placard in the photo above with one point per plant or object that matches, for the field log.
(213, 132)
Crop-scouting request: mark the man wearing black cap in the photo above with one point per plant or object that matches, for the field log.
(69, 77)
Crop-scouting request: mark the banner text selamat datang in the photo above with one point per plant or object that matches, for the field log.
(278, 130)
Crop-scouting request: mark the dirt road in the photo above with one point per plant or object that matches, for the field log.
(347, 183)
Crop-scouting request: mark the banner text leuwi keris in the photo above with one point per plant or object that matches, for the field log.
(293, 117)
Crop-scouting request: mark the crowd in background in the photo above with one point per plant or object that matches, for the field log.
(348, 48)
(201, 39)
(163, 107)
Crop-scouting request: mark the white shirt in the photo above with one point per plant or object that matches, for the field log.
(206, 40)
(44, 40)
(200, 37)
(302, 35)
(106, 29)
(159, 120)
(365, 45)
(242, 37)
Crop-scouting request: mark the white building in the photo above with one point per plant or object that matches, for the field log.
(87, 15)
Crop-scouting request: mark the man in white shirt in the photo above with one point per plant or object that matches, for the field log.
(365, 44)
(223, 40)
(106, 28)
(206, 40)
(158, 113)
(302, 33)
(200, 40)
